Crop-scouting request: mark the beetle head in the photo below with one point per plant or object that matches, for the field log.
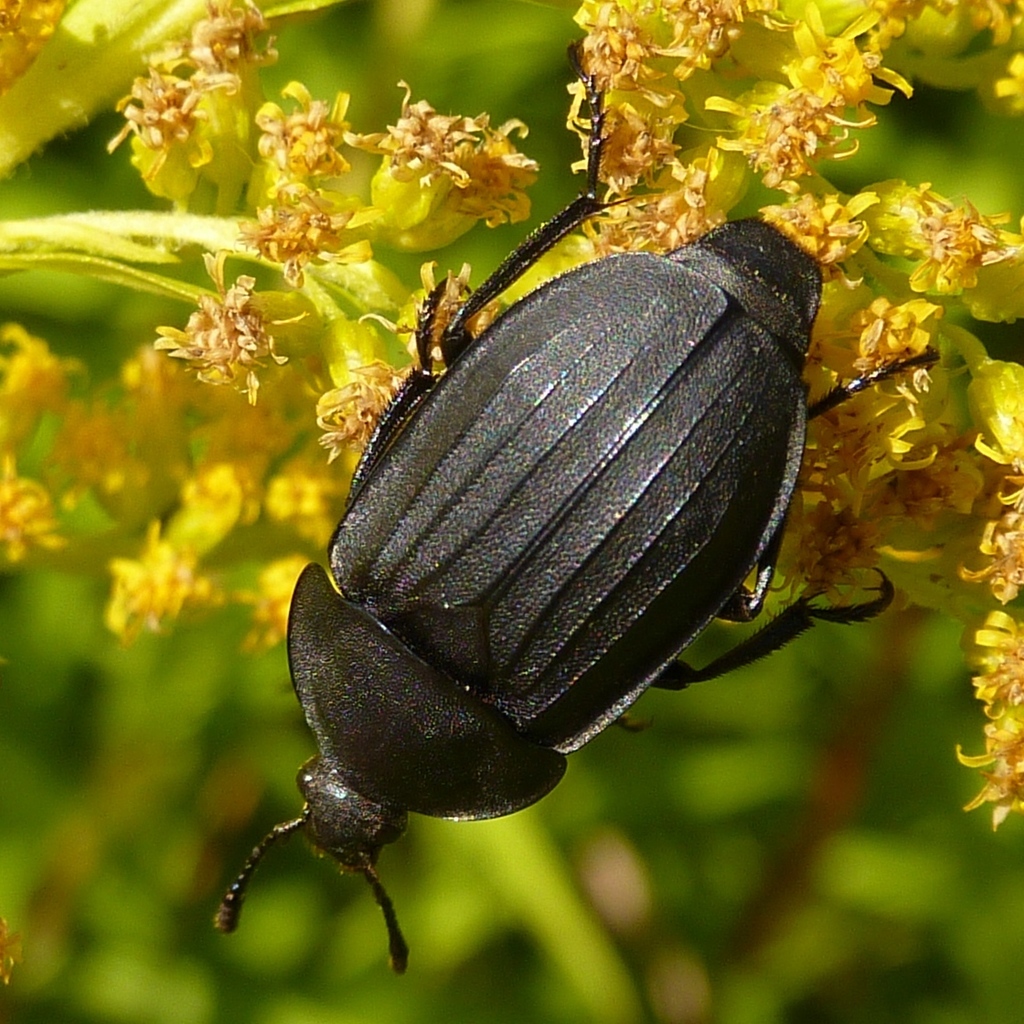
(339, 821)
(342, 822)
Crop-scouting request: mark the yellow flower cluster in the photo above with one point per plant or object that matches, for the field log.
(191, 498)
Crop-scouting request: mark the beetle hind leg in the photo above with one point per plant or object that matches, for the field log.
(797, 618)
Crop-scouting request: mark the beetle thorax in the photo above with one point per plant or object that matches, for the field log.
(342, 822)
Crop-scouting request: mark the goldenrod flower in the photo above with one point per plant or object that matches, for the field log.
(825, 226)
(347, 415)
(306, 494)
(1003, 545)
(156, 587)
(952, 241)
(922, 476)
(25, 28)
(443, 172)
(271, 601)
(1011, 88)
(227, 336)
(304, 144)
(32, 381)
(1000, 686)
(26, 515)
(305, 226)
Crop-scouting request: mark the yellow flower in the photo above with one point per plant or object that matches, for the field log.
(304, 144)
(1000, 686)
(996, 394)
(952, 242)
(155, 587)
(26, 515)
(617, 48)
(1003, 545)
(162, 113)
(271, 601)
(32, 381)
(1011, 88)
(306, 495)
(305, 225)
(347, 415)
(25, 29)
(781, 130)
(893, 333)
(835, 69)
(227, 336)
(824, 226)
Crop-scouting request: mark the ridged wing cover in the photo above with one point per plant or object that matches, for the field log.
(581, 493)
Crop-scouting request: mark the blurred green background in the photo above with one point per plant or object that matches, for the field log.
(785, 844)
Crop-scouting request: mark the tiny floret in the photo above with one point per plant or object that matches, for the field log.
(226, 338)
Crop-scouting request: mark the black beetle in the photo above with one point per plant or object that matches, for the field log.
(533, 538)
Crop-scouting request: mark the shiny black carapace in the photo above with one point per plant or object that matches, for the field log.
(533, 538)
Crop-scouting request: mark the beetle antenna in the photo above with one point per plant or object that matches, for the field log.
(226, 918)
(398, 950)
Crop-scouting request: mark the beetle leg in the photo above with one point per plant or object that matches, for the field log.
(841, 392)
(455, 337)
(787, 626)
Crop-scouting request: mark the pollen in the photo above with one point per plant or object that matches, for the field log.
(226, 338)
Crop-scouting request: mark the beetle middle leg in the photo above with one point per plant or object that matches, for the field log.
(747, 603)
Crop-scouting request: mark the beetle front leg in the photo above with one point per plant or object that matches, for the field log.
(455, 338)
(787, 626)
(841, 392)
